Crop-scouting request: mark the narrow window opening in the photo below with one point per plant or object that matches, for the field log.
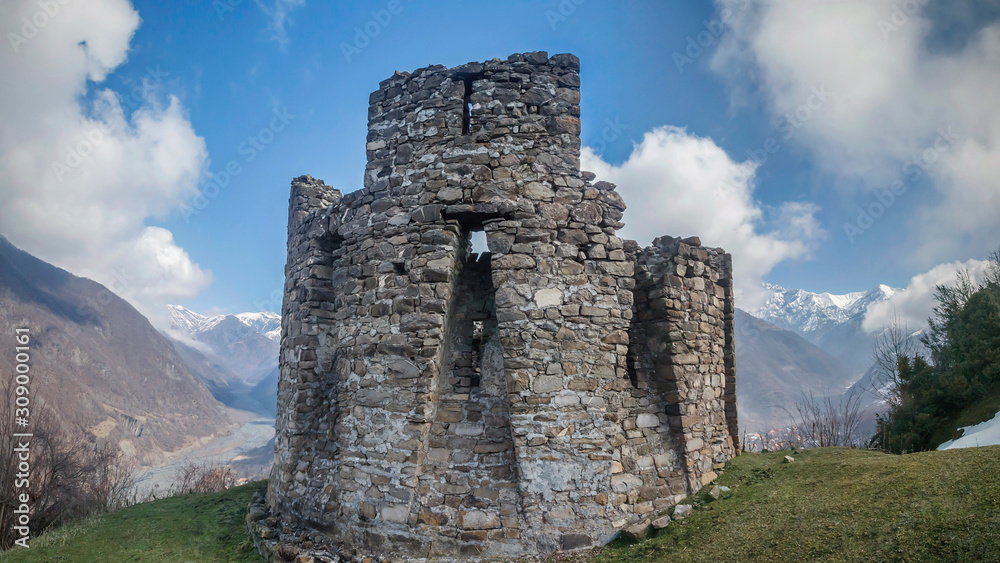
(399, 267)
(633, 376)
(478, 239)
(477, 354)
(472, 321)
(467, 108)
(331, 243)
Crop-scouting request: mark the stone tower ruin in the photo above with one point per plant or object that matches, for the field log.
(537, 397)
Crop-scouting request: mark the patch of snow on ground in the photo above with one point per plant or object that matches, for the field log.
(982, 434)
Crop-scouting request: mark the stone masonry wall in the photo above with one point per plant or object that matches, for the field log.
(537, 397)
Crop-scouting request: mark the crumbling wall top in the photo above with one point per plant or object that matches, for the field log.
(442, 126)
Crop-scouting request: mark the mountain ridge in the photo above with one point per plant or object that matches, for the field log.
(99, 364)
(832, 322)
(245, 343)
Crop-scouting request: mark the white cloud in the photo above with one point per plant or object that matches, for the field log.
(278, 12)
(895, 92)
(913, 305)
(82, 168)
(679, 184)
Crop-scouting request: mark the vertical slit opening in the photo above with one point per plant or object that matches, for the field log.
(473, 315)
(477, 353)
(633, 376)
(467, 107)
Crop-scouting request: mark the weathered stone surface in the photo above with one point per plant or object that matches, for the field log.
(547, 384)
(681, 511)
(638, 531)
(538, 397)
(548, 297)
(646, 420)
(478, 520)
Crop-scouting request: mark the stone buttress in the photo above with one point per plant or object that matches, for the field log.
(537, 397)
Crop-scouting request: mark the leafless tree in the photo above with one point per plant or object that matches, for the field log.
(892, 344)
(826, 421)
(70, 475)
(113, 484)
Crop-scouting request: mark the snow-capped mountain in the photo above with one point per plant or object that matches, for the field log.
(246, 344)
(189, 323)
(807, 342)
(831, 322)
(805, 312)
(266, 323)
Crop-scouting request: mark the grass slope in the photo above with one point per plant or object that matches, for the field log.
(193, 528)
(836, 504)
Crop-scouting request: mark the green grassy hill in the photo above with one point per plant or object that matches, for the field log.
(831, 504)
(836, 504)
(193, 528)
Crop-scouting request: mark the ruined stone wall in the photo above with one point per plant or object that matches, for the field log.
(683, 347)
(306, 408)
(535, 398)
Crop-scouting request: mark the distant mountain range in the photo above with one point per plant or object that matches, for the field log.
(246, 343)
(831, 322)
(797, 342)
(775, 367)
(236, 355)
(265, 323)
(98, 365)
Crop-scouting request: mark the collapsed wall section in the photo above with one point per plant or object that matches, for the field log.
(306, 410)
(684, 332)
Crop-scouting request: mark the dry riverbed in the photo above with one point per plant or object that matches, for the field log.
(251, 431)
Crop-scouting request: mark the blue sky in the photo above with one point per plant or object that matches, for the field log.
(234, 65)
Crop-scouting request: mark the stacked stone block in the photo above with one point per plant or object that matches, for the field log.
(533, 398)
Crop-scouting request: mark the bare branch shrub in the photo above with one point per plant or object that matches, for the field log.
(826, 421)
(203, 477)
(113, 484)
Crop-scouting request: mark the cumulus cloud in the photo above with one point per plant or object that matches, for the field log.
(913, 305)
(278, 12)
(82, 168)
(913, 83)
(680, 184)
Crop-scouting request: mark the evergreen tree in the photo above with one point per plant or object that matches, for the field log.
(964, 344)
